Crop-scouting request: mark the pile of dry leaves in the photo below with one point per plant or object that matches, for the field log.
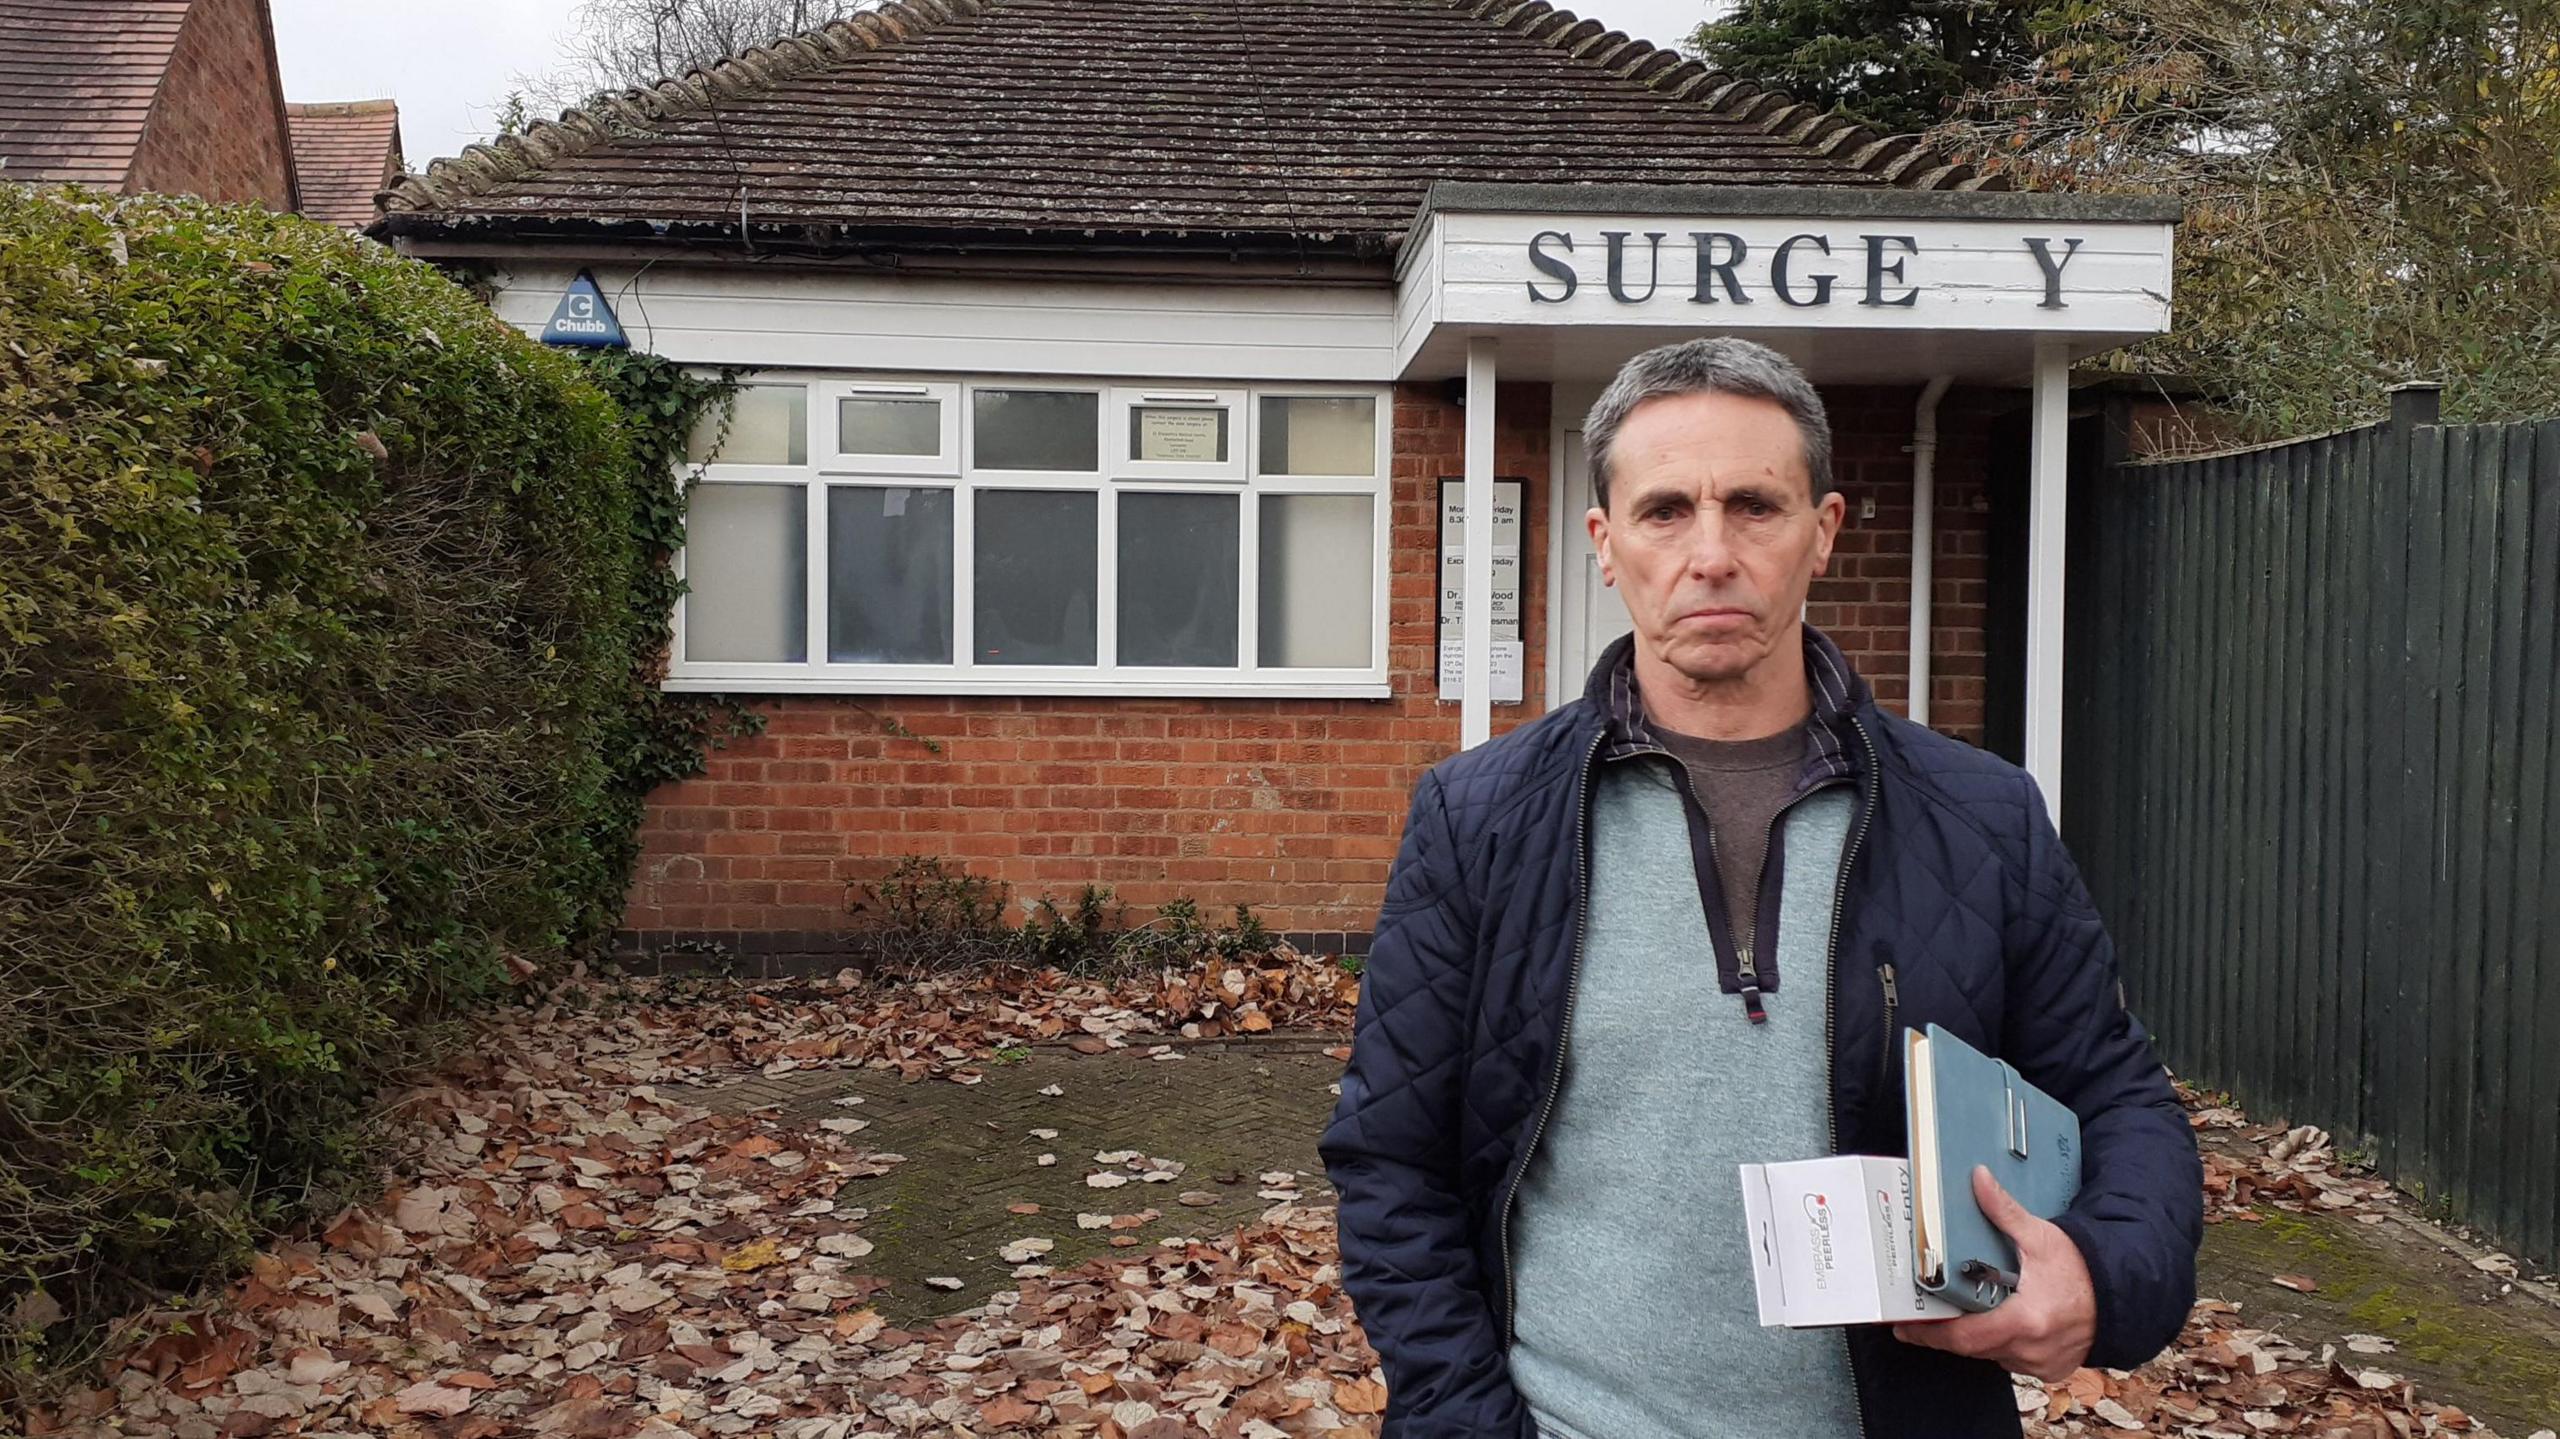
(573, 1252)
(2226, 1380)
(925, 1025)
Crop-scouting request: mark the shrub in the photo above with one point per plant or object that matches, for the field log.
(326, 601)
(925, 915)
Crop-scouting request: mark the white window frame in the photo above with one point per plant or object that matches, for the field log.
(826, 418)
(1246, 486)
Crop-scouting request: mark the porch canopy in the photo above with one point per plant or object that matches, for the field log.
(1857, 285)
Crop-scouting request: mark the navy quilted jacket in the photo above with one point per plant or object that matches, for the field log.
(1955, 877)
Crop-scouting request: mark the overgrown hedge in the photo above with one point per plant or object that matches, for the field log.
(327, 603)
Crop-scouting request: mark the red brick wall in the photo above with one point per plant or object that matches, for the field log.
(1294, 806)
(217, 126)
(1865, 602)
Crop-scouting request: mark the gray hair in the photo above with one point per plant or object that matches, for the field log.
(1718, 366)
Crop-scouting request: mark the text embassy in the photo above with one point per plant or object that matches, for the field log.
(1722, 255)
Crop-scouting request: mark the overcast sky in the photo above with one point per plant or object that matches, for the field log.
(449, 64)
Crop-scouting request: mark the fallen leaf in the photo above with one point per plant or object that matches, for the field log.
(943, 1281)
(747, 1258)
(1360, 1396)
(428, 1397)
(2299, 1283)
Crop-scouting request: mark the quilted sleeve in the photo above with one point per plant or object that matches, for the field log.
(2140, 1214)
(1408, 1257)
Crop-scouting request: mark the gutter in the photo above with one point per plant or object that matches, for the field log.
(1924, 540)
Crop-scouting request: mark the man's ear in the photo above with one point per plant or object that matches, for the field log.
(1597, 522)
(1828, 516)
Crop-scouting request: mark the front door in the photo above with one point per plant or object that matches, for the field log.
(1591, 615)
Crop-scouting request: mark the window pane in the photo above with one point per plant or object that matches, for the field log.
(888, 575)
(1037, 430)
(1178, 579)
(769, 426)
(1179, 434)
(1036, 577)
(1320, 435)
(1316, 581)
(746, 566)
(892, 425)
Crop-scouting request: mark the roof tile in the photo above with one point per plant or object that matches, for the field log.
(77, 79)
(1247, 117)
(345, 153)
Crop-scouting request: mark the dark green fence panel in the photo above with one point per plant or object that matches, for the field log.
(2317, 789)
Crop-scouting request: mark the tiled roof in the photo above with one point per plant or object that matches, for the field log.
(1323, 119)
(344, 154)
(77, 79)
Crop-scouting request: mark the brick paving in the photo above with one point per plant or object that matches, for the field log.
(1228, 1111)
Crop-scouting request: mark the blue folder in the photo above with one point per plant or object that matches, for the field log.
(1965, 1108)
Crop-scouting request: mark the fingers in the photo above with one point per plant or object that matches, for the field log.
(2005, 1212)
(1976, 1336)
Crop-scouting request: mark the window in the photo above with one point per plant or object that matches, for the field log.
(897, 534)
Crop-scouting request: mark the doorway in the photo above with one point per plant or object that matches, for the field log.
(1589, 613)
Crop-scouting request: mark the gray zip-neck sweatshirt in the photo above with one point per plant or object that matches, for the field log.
(1636, 1318)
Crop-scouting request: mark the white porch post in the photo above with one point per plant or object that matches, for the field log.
(1475, 694)
(2049, 497)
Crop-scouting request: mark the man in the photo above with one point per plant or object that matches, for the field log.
(1677, 926)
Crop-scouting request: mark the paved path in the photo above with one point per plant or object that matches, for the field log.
(1228, 1112)
(1233, 1110)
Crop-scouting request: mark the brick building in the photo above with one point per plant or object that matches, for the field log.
(1127, 379)
(180, 97)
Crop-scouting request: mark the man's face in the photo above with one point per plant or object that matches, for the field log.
(1712, 533)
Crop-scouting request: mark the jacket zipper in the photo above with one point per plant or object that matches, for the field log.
(1555, 1077)
(1746, 959)
(1892, 1002)
(1830, 1016)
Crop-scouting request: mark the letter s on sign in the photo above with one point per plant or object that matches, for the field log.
(1553, 266)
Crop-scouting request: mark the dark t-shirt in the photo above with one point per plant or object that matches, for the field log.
(1743, 784)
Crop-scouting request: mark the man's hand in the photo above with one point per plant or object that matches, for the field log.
(2046, 1327)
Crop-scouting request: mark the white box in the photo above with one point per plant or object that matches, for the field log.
(1831, 1243)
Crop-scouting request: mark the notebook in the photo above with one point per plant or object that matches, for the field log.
(1965, 1108)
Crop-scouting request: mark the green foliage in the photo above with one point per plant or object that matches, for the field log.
(654, 737)
(328, 612)
(1899, 65)
(925, 915)
(2372, 191)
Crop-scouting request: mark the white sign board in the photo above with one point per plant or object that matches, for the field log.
(1705, 274)
(1510, 654)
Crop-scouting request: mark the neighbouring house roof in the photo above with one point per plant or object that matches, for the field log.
(77, 79)
(1264, 123)
(345, 153)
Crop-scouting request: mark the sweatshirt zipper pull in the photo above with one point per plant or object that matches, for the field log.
(1751, 1004)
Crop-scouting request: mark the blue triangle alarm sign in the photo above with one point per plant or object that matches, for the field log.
(584, 318)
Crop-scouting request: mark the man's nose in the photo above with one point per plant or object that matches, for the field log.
(1711, 554)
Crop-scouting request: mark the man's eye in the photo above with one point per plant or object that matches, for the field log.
(1661, 512)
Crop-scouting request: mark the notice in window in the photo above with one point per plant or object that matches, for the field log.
(1510, 656)
(1182, 436)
